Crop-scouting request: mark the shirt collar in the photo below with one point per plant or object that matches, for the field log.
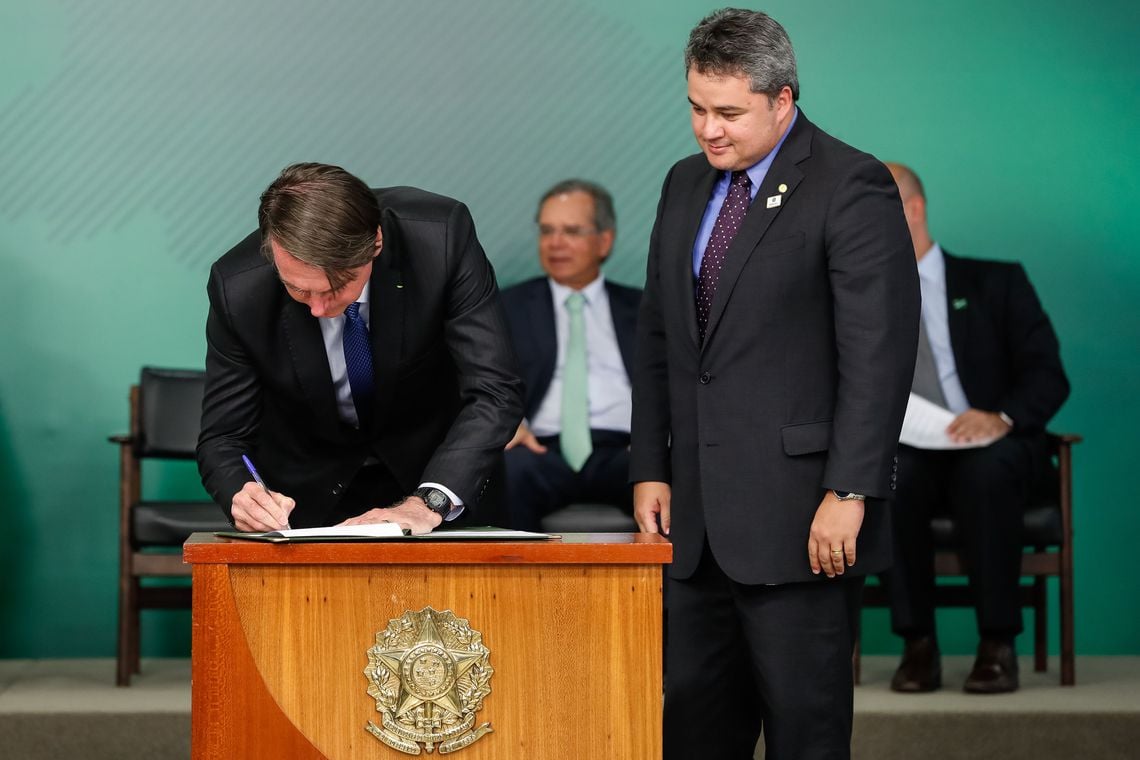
(591, 292)
(932, 265)
(759, 170)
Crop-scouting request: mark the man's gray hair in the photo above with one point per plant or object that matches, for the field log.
(737, 42)
(604, 217)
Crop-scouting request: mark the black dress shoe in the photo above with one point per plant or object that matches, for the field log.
(995, 669)
(921, 667)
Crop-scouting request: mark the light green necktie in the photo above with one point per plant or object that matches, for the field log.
(575, 436)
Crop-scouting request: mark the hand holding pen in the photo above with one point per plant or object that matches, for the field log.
(256, 508)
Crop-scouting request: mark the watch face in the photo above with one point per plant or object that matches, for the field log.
(437, 501)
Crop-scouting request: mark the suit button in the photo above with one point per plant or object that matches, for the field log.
(337, 489)
(892, 485)
(706, 378)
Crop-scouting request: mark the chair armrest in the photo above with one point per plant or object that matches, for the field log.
(122, 439)
(1067, 439)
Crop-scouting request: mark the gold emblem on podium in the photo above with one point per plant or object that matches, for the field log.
(429, 674)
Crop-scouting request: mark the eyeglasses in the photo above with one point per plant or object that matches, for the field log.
(571, 231)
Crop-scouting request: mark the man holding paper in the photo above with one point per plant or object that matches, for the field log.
(357, 353)
(988, 354)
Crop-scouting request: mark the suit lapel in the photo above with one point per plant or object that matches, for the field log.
(958, 295)
(783, 171)
(386, 328)
(697, 202)
(311, 363)
(542, 339)
(624, 315)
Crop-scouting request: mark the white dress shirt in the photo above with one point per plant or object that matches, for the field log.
(609, 393)
(936, 320)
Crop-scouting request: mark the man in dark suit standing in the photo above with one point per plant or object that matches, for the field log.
(573, 331)
(776, 343)
(988, 353)
(357, 353)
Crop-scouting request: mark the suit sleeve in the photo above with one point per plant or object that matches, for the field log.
(649, 448)
(1039, 382)
(875, 292)
(231, 404)
(479, 345)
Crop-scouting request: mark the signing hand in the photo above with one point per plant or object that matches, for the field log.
(523, 437)
(651, 502)
(833, 533)
(412, 514)
(976, 425)
(254, 508)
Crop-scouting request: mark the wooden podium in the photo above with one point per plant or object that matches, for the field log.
(283, 635)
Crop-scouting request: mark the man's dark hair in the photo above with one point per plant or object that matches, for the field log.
(737, 42)
(322, 216)
(604, 217)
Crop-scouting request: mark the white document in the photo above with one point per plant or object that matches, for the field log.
(381, 531)
(925, 423)
(370, 530)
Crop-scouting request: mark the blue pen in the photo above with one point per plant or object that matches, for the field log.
(257, 478)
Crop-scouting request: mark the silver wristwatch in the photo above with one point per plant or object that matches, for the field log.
(848, 496)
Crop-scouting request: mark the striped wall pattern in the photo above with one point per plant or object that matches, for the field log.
(188, 110)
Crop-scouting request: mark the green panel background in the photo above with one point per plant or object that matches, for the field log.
(136, 135)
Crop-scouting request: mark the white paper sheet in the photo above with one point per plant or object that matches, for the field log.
(925, 423)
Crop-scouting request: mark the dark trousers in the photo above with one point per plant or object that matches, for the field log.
(742, 659)
(538, 484)
(985, 491)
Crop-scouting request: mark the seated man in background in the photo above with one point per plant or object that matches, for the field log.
(356, 351)
(988, 353)
(573, 332)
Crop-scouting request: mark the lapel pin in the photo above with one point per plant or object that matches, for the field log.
(959, 304)
(774, 200)
(782, 188)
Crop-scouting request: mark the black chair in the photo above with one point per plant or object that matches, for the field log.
(165, 415)
(590, 518)
(1048, 537)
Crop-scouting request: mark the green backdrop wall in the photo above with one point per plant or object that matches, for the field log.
(135, 137)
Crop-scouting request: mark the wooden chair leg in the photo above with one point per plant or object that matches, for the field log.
(1068, 647)
(136, 639)
(128, 611)
(1040, 624)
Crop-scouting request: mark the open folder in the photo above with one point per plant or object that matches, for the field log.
(384, 532)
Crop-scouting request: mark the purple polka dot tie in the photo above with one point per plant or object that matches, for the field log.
(728, 223)
(358, 362)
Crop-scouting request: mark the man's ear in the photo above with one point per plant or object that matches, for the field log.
(379, 242)
(607, 243)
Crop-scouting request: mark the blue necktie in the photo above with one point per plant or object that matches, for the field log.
(358, 362)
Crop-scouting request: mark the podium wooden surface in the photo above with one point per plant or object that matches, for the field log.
(281, 635)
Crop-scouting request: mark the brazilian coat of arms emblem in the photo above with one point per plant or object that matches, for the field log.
(429, 674)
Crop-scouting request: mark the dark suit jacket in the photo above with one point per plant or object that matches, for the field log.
(529, 309)
(1006, 353)
(447, 393)
(803, 377)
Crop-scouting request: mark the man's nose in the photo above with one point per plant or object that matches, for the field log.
(319, 307)
(711, 129)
